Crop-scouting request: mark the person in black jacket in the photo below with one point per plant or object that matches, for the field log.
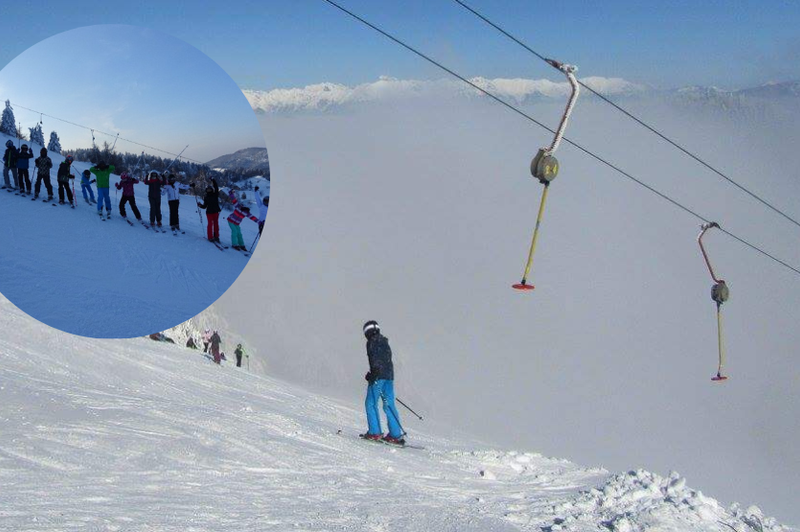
(154, 184)
(43, 165)
(211, 205)
(381, 385)
(23, 164)
(63, 177)
(10, 163)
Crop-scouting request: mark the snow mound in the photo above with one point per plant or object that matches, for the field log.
(640, 500)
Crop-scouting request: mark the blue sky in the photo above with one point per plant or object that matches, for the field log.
(141, 83)
(283, 43)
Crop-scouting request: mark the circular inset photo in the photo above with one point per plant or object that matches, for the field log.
(135, 181)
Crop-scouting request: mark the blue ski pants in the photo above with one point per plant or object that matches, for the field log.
(85, 188)
(382, 389)
(102, 194)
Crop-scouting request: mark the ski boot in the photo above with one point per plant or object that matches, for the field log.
(368, 436)
(394, 441)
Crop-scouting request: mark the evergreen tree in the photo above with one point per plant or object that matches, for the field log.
(54, 144)
(37, 137)
(8, 125)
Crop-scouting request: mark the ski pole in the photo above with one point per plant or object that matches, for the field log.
(389, 410)
(175, 159)
(197, 204)
(254, 242)
(408, 408)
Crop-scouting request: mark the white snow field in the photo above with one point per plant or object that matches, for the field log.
(135, 435)
(105, 279)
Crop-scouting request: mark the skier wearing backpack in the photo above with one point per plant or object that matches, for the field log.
(10, 163)
(154, 184)
(211, 205)
(173, 191)
(215, 341)
(125, 184)
(43, 165)
(381, 385)
(86, 187)
(63, 177)
(23, 164)
(102, 173)
(239, 214)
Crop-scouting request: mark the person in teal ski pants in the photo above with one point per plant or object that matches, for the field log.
(381, 386)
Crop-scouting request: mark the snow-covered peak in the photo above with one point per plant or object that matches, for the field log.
(325, 96)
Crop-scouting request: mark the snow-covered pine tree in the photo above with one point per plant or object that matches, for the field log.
(8, 125)
(37, 137)
(54, 144)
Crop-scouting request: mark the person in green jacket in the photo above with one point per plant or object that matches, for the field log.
(102, 172)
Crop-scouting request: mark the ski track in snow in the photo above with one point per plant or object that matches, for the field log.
(135, 435)
(71, 270)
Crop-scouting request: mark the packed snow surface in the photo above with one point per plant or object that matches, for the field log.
(136, 435)
(71, 270)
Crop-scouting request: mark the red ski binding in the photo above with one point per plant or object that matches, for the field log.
(522, 286)
(719, 378)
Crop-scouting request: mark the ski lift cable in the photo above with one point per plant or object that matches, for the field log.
(638, 120)
(113, 135)
(565, 139)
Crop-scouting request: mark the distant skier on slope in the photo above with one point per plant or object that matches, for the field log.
(23, 164)
(154, 184)
(10, 163)
(86, 187)
(190, 343)
(172, 190)
(236, 218)
(381, 385)
(215, 341)
(103, 172)
(239, 353)
(125, 184)
(206, 340)
(43, 165)
(63, 177)
(263, 206)
(211, 205)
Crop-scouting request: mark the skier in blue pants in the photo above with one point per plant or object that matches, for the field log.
(381, 386)
(86, 187)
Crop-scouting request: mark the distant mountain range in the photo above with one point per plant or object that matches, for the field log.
(323, 97)
(248, 159)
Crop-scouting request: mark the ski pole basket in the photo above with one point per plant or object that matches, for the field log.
(544, 166)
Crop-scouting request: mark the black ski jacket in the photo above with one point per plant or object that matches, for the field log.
(64, 172)
(211, 200)
(154, 187)
(10, 157)
(43, 165)
(380, 358)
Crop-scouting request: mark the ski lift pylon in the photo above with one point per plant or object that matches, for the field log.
(719, 294)
(544, 166)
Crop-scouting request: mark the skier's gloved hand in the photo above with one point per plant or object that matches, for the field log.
(256, 188)
(368, 376)
(93, 181)
(260, 226)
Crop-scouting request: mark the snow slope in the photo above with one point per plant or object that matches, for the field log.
(82, 275)
(137, 435)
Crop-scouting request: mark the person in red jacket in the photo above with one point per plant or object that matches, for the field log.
(125, 184)
(238, 216)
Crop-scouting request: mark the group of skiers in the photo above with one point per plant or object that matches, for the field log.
(17, 162)
(212, 340)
